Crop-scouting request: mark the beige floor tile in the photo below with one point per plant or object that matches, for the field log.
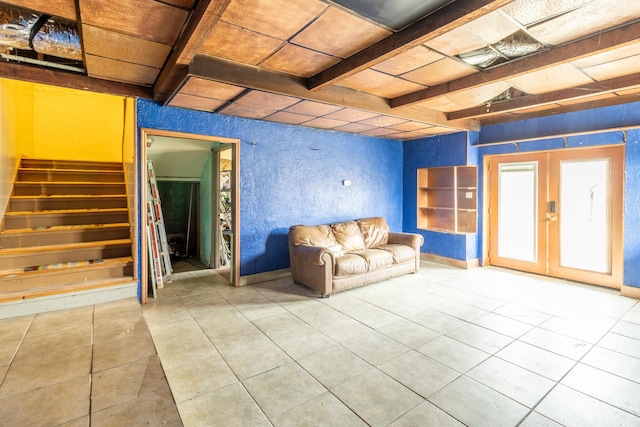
(3, 372)
(617, 391)
(61, 319)
(118, 327)
(282, 388)
(375, 347)
(55, 342)
(628, 329)
(542, 362)
(534, 419)
(572, 408)
(253, 357)
(557, 343)
(452, 353)
(79, 422)
(278, 324)
(8, 350)
(589, 331)
(227, 406)
(322, 410)
(302, 342)
(334, 366)
(14, 328)
(621, 344)
(156, 408)
(613, 362)
(420, 373)
(481, 338)
(362, 311)
(523, 314)
(519, 384)
(48, 405)
(408, 333)
(126, 382)
(127, 348)
(437, 321)
(184, 349)
(376, 398)
(37, 372)
(191, 380)
(163, 314)
(503, 325)
(475, 404)
(426, 414)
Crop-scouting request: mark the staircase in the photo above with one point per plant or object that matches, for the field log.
(66, 230)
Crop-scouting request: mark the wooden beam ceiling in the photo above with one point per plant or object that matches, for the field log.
(598, 43)
(202, 20)
(224, 71)
(530, 101)
(434, 25)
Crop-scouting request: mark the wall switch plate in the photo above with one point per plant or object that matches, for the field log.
(346, 182)
(469, 195)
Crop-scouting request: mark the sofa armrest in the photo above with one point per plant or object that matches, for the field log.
(312, 254)
(410, 239)
(313, 266)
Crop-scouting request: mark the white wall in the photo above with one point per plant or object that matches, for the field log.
(8, 152)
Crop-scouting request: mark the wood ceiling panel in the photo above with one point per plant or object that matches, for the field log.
(298, 61)
(613, 69)
(409, 126)
(612, 55)
(196, 102)
(382, 121)
(354, 128)
(277, 18)
(537, 108)
(185, 4)
(145, 19)
(477, 96)
(410, 60)
(110, 44)
(382, 132)
(267, 100)
(407, 135)
(527, 12)
(323, 123)
(588, 99)
(210, 89)
(436, 130)
(111, 69)
(312, 108)
(628, 92)
(289, 118)
(593, 17)
(238, 44)
(380, 84)
(351, 115)
(247, 111)
(485, 30)
(442, 71)
(339, 33)
(63, 8)
(550, 79)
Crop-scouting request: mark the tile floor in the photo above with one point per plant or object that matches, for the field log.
(443, 347)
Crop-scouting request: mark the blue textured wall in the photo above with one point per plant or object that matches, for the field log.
(632, 211)
(443, 150)
(293, 175)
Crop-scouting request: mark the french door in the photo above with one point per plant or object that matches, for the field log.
(559, 213)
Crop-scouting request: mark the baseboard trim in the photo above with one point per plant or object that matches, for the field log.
(630, 291)
(473, 263)
(264, 277)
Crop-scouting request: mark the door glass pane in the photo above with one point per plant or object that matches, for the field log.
(584, 215)
(517, 211)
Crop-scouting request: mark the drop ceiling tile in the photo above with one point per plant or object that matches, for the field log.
(592, 17)
(185, 4)
(436, 103)
(312, 108)
(114, 45)
(238, 44)
(437, 130)
(409, 126)
(614, 69)
(379, 132)
(277, 18)
(477, 96)
(442, 71)
(210, 89)
(298, 61)
(196, 102)
(485, 30)
(323, 123)
(527, 12)
(354, 128)
(588, 99)
(407, 61)
(351, 115)
(377, 83)
(125, 72)
(339, 33)
(265, 100)
(63, 8)
(406, 135)
(382, 121)
(247, 111)
(289, 118)
(159, 23)
(550, 79)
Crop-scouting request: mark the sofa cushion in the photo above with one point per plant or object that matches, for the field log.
(312, 235)
(347, 234)
(375, 231)
(376, 258)
(350, 264)
(400, 253)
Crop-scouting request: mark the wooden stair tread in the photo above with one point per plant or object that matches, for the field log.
(65, 246)
(106, 263)
(23, 183)
(41, 169)
(66, 211)
(66, 288)
(59, 228)
(68, 196)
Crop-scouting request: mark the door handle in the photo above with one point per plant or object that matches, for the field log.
(551, 218)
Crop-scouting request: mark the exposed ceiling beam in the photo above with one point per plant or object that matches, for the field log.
(224, 71)
(449, 17)
(530, 101)
(69, 80)
(204, 17)
(570, 52)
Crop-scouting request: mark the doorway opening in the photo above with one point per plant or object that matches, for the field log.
(558, 213)
(188, 170)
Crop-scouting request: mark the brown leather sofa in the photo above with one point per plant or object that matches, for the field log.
(332, 258)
